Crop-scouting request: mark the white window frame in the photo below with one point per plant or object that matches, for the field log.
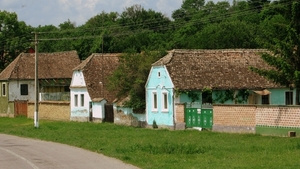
(76, 100)
(154, 100)
(4, 88)
(164, 101)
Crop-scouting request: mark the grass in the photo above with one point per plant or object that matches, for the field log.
(148, 148)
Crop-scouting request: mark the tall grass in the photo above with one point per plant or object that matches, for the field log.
(148, 148)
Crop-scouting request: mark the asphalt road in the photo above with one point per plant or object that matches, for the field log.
(23, 153)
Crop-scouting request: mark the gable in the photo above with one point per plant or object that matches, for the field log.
(77, 79)
(96, 69)
(159, 77)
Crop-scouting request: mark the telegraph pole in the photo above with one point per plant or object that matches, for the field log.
(36, 103)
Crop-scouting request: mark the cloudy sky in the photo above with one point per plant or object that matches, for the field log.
(47, 12)
(55, 12)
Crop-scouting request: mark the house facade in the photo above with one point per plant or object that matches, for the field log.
(89, 93)
(54, 76)
(192, 81)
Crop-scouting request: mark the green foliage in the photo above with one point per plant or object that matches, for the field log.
(130, 77)
(283, 40)
(154, 125)
(14, 37)
(240, 96)
(193, 95)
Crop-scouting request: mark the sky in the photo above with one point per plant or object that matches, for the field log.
(55, 12)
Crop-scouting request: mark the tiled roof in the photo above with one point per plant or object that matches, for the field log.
(56, 65)
(96, 69)
(216, 69)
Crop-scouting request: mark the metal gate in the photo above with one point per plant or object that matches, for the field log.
(21, 107)
(197, 117)
(109, 113)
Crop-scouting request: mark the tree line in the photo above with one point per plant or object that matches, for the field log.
(197, 24)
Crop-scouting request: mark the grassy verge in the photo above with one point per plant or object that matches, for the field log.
(147, 148)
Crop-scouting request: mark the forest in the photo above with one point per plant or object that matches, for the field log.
(137, 32)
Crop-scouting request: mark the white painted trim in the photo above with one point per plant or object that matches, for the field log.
(154, 93)
(163, 94)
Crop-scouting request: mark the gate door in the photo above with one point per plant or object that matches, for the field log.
(109, 113)
(20, 107)
(196, 117)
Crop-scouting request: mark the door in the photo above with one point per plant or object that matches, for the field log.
(21, 107)
(196, 117)
(109, 113)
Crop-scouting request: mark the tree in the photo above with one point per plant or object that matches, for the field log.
(130, 77)
(14, 37)
(285, 53)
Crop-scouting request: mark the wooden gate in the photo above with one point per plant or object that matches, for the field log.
(21, 107)
(109, 113)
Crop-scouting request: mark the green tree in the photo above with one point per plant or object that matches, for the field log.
(15, 37)
(130, 77)
(285, 53)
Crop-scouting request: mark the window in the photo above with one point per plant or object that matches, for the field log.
(207, 97)
(165, 101)
(82, 100)
(154, 105)
(24, 89)
(289, 98)
(3, 92)
(265, 99)
(76, 100)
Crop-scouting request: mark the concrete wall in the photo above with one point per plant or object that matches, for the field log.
(51, 110)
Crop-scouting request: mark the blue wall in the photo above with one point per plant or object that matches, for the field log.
(159, 82)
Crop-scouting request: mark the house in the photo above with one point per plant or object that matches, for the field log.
(54, 75)
(183, 86)
(90, 98)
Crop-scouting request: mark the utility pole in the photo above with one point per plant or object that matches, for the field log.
(36, 103)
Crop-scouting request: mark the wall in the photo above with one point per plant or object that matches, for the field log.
(15, 90)
(234, 118)
(179, 116)
(260, 119)
(79, 112)
(159, 82)
(51, 110)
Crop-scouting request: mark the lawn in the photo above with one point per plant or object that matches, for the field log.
(161, 148)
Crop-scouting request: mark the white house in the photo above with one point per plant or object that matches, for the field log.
(54, 75)
(89, 94)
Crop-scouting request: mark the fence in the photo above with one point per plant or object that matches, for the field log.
(59, 96)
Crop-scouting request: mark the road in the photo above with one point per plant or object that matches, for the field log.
(17, 152)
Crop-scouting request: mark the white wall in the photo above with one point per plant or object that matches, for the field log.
(78, 79)
(15, 90)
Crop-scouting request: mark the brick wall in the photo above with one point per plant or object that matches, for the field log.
(179, 110)
(234, 118)
(51, 110)
(179, 117)
(278, 116)
(245, 118)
